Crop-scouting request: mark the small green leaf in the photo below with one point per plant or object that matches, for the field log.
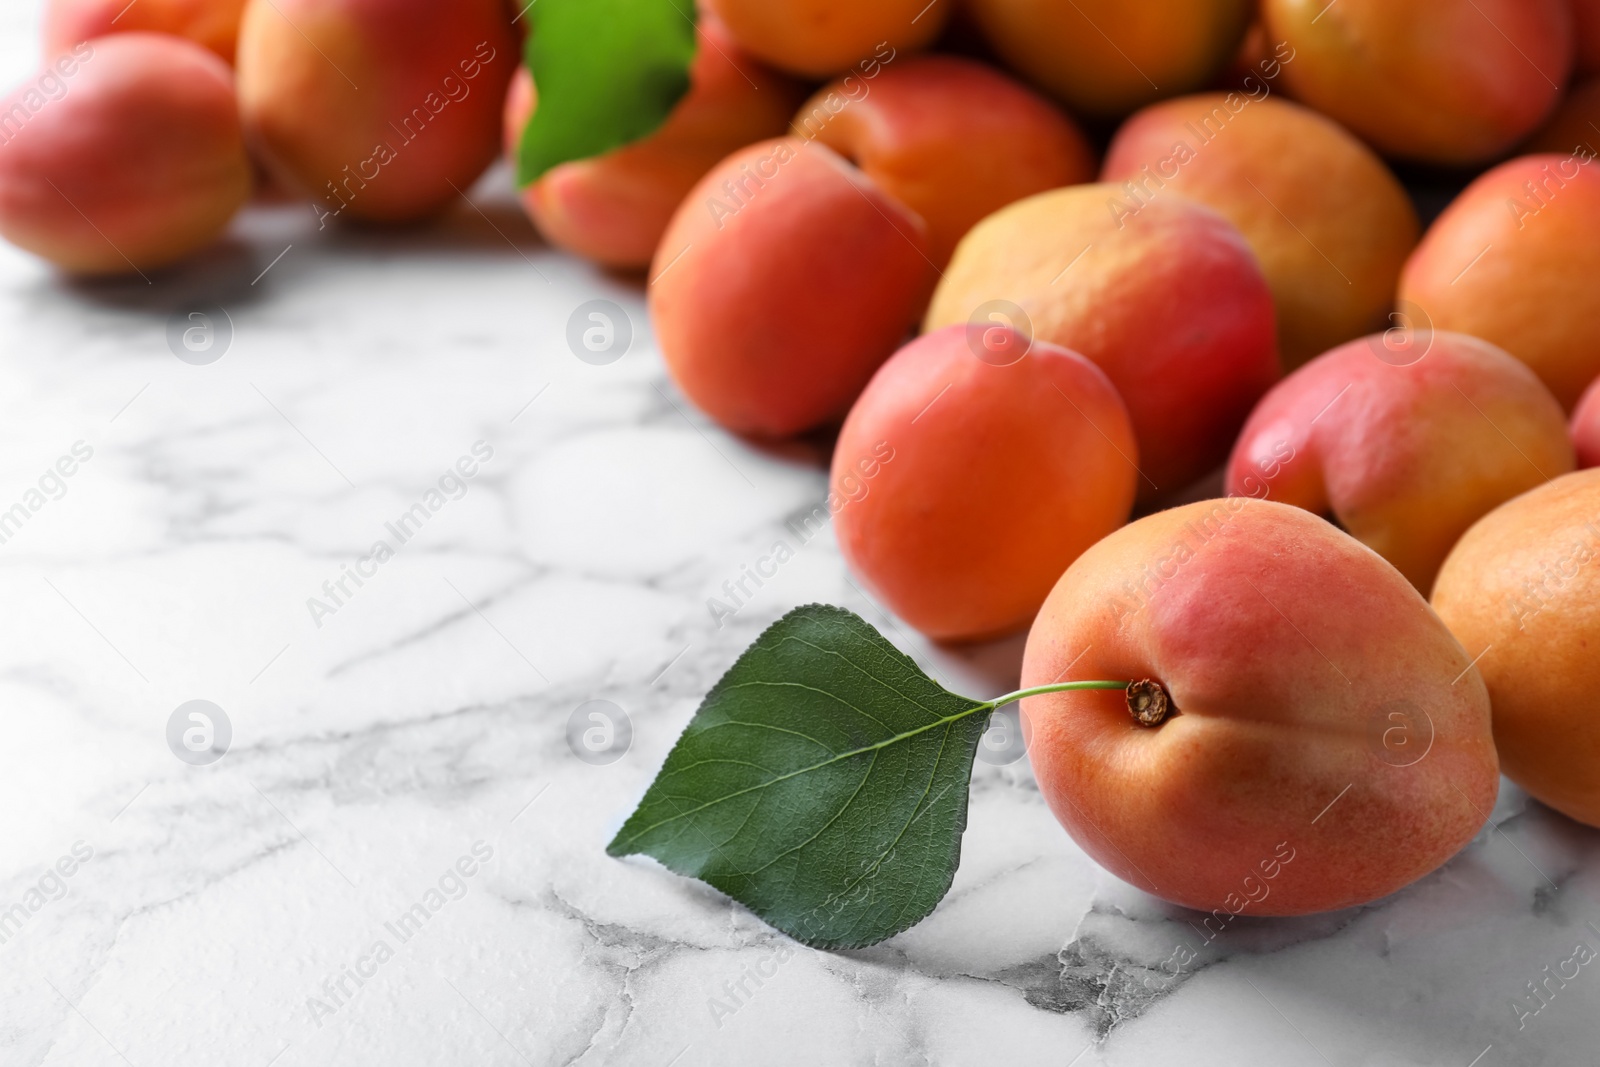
(608, 72)
(823, 784)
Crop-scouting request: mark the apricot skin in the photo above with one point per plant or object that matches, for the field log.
(1107, 57)
(1524, 584)
(138, 163)
(1330, 224)
(212, 24)
(1000, 476)
(1575, 126)
(1586, 427)
(784, 280)
(1586, 24)
(820, 38)
(1438, 81)
(1169, 302)
(613, 209)
(1405, 457)
(952, 139)
(1286, 646)
(377, 110)
(1504, 265)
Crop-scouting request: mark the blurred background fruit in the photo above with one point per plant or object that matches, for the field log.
(1167, 299)
(1439, 81)
(379, 110)
(1330, 224)
(613, 208)
(1505, 262)
(212, 24)
(952, 139)
(819, 38)
(137, 163)
(1105, 58)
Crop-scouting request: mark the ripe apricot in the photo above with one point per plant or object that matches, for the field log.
(993, 466)
(1405, 446)
(1586, 25)
(376, 111)
(1169, 301)
(613, 209)
(212, 24)
(951, 138)
(1330, 224)
(1522, 591)
(1331, 741)
(124, 155)
(1586, 426)
(784, 280)
(820, 38)
(1505, 262)
(1108, 57)
(1575, 126)
(1438, 81)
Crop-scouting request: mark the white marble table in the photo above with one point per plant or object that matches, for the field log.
(408, 742)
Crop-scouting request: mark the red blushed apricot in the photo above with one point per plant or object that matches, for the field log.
(212, 24)
(952, 139)
(614, 208)
(1330, 224)
(1405, 446)
(820, 38)
(1438, 81)
(1508, 262)
(1586, 24)
(785, 279)
(1575, 127)
(970, 474)
(1586, 427)
(382, 110)
(125, 155)
(1168, 301)
(1331, 741)
(1522, 590)
(1108, 57)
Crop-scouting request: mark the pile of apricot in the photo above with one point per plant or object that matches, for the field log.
(1172, 367)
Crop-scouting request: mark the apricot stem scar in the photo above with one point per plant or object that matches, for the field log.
(1148, 700)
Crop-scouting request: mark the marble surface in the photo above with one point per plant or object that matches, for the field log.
(413, 740)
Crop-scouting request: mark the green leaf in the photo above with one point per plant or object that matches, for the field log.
(823, 784)
(608, 72)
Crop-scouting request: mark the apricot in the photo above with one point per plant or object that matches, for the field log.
(212, 24)
(1331, 741)
(1522, 590)
(1586, 26)
(1505, 262)
(1439, 81)
(1168, 301)
(1405, 446)
(613, 209)
(1575, 126)
(784, 280)
(380, 111)
(973, 469)
(821, 38)
(1586, 426)
(124, 155)
(1330, 224)
(951, 138)
(1108, 57)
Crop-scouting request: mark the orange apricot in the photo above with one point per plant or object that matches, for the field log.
(1504, 263)
(379, 111)
(212, 24)
(973, 469)
(1575, 126)
(124, 155)
(820, 38)
(951, 138)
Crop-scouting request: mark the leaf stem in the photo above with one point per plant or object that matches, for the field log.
(1058, 687)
